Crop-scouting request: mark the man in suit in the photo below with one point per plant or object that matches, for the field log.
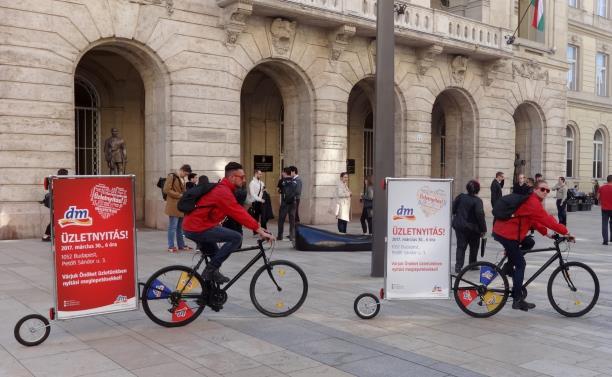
(298, 182)
(496, 187)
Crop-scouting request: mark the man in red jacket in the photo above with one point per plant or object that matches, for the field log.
(202, 225)
(604, 195)
(510, 233)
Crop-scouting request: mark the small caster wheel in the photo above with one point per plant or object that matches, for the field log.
(366, 306)
(32, 330)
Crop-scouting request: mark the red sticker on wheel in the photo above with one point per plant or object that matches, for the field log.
(182, 312)
(466, 296)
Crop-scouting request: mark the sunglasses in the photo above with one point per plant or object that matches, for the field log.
(243, 176)
(544, 189)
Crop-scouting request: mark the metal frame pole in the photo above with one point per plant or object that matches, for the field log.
(384, 134)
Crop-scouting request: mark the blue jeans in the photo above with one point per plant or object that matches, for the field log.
(210, 237)
(175, 226)
(517, 259)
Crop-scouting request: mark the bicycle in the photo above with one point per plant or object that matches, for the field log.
(481, 288)
(176, 295)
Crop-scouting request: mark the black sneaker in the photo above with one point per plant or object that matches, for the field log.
(604, 243)
(211, 273)
(219, 277)
(522, 305)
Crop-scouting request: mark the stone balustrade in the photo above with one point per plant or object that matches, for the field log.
(422, 19)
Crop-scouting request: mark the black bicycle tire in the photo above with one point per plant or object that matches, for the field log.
(356, 305)
(145, 304)
(550, 294)
(22, 321)
(291, 310)
(501, 304)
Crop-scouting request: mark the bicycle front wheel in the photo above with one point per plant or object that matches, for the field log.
(172, 296)
(481, 289)
(279, 288)
(573, 289)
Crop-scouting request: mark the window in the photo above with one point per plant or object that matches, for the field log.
(572, 73)
(601, 72)
(569, 152)
(602, 8)
(598, 154)
(527, 31)
(87, 128)
(573, 3)
(443, 148)
(368, 146)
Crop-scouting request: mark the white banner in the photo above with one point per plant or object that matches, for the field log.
(418, 238)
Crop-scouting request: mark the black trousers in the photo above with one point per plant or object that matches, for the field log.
(48, 230)
(366, 221)
(286, 209)
(257, 210)
(297, 210)
(561, 211)
(465, 239)
(517, 259)
(342, 226)
(606, 216)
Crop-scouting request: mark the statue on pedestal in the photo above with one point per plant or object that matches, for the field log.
(115, 153)
(519, 168)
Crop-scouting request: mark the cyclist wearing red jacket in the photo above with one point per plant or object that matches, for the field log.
(202, 225)
(510, 233)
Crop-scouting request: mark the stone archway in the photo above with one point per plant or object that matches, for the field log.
(132, 87)
(528, 137)
(275, 121)
(454, 119)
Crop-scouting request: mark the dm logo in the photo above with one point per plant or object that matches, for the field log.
(404, 213)
(75, 216)
(121, 299)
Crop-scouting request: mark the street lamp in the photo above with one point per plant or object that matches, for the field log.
(384, 130)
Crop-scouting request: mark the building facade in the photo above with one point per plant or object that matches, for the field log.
(286, 82)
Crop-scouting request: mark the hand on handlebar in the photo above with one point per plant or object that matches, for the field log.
(265, 235)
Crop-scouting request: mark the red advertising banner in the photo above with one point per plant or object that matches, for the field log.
(94, 243)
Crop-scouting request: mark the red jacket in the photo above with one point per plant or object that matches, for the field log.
(530, 215)
(217, 204)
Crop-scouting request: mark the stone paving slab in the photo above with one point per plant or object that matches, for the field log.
(324, 338)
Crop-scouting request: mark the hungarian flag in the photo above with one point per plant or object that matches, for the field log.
(538, 14)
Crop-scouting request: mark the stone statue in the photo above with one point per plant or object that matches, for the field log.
(519, 168)
(115, 153)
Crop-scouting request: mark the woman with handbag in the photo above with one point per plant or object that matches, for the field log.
(367, 199)
(343, 202)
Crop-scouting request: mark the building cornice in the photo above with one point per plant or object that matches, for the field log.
(579, 100)
(590, 30)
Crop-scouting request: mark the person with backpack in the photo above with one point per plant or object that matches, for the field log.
(47, 203)
(202, 221)
(469, 223)
(288, 191)
(174, 189)
(519, 214)
(342, 200)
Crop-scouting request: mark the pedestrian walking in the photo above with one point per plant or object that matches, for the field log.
(367, 199)
(604, 195)
(298, 182)
(257, 188)
(342, 201)
(288, 191)
(496, 187)
(47, 203)
(469, 223)
(561, 189)
(174, 189)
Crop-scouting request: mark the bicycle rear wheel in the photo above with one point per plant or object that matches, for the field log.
(481, 289)
(280, 291)
(573, 289)
(172, 296)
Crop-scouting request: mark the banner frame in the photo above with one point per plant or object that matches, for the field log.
(450, 244)
(51, 178)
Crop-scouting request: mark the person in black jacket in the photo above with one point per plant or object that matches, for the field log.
(468, 222)
(496, 187)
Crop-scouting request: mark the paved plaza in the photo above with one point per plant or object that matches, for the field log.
(324, 338)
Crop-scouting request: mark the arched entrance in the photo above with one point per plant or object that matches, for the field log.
(453, 140)
(528, 140)
(119, 85)
(275, 127)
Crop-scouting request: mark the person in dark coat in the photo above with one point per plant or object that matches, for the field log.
(47, 203)
(496, 187)
(521, 187)
(468, 222)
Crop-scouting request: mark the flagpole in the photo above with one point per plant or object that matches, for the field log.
(510, 38)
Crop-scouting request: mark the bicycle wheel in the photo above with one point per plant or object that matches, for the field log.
(279, 291)
(573, 289)
(172, 296)
(366, 306)
(32, 330)
(481, 289)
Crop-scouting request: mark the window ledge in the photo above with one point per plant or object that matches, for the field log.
(532, 46)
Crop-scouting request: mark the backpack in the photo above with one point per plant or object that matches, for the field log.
(505, 206)
(188, 202)
(289, 191)
(161, 182)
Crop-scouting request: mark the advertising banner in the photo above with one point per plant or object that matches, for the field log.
(418, 238)
(94, 244)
